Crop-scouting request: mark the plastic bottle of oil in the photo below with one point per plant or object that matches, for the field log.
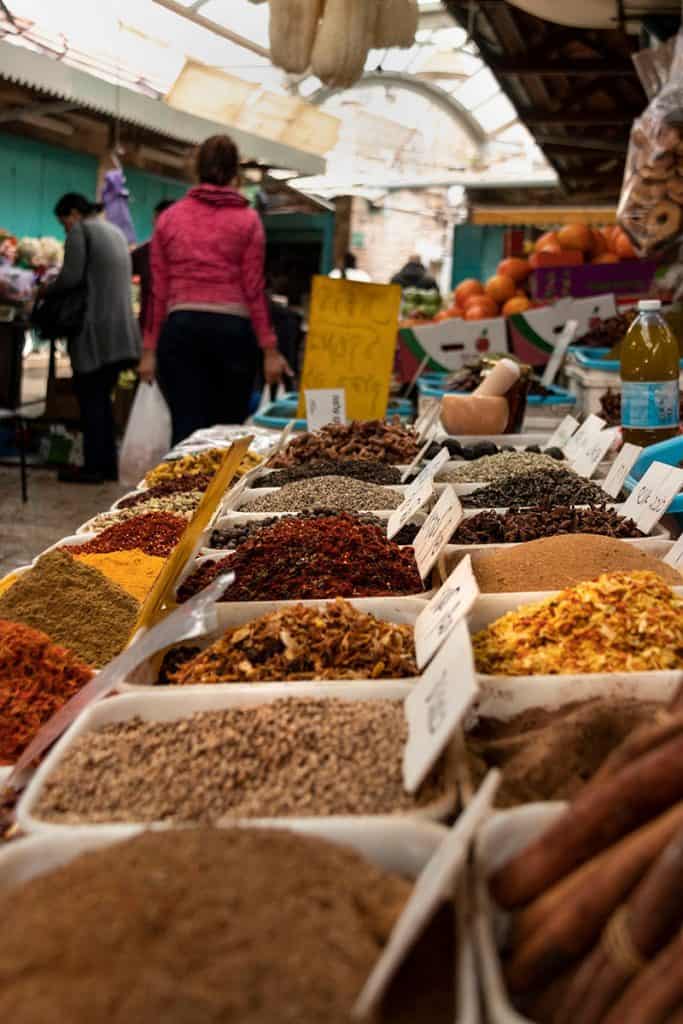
(649, 378)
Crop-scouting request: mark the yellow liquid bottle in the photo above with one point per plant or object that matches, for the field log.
(649, 378)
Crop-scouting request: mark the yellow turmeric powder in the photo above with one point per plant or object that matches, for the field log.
(133, 570)
(7, 582)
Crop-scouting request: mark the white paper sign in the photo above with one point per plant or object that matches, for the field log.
(675, 555)
(559, 438)
(435, 706)
(593, 451)
(325, 405)
(451, 604)
(620, 469)
(424, 423)
(437, 530)
(650, 499)
(591, 426)
(284, 437)
(416, 462)
(558, 353)
(431, 469)
(434, 885)
(411, 504)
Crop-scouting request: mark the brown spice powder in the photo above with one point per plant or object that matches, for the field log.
(234, 926)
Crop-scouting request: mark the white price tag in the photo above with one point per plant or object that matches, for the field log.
(434, 885)
(416, 462)
(325, 405)
(235, 493)
(439, 527)
(559, 438)
(436, 705)
(558, 353)
(675, 555)
(591, 426)
(284, 437)
(620, 469)
(424, 423)
(431, 469)
(650, 499)
(592, 452)
(411, 504)
(451, 604)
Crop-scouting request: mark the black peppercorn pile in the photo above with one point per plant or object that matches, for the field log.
(362, 469)
(541, 487)
(518, 526)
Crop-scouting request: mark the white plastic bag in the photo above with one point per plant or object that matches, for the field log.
(148, 434)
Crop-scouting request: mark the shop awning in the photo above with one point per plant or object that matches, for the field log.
(542, 216)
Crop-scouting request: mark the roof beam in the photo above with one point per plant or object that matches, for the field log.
(212, 26)
(23, 111)
(557, 142)
(561, 67)
(581, 117)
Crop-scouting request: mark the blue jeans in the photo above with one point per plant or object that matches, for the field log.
(206, 366)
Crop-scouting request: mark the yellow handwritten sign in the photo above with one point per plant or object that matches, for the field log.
(351, 344)
(160, 598)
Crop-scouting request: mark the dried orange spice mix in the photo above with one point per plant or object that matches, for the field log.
(620, 622)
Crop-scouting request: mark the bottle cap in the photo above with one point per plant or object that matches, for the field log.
(649, 305)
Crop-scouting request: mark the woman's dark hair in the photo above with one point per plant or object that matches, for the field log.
(75, 201)
(218, 160)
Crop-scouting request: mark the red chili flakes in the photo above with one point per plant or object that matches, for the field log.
(155, 533)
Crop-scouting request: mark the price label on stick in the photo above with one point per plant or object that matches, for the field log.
(451, 604)
(431, 469)
(438, 528)
(284, 437)
(416, 462)
(558, 353)
(412, 503)
(428, 420)
(434, 885)
(593, 451)
(577, 443)
(620, 469)
(559, 438)
(650, 499)
(675, 555)
(325, 405)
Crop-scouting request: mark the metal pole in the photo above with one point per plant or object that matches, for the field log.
(212, 26)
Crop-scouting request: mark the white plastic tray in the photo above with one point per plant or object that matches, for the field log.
(402, 611)
(181, 703)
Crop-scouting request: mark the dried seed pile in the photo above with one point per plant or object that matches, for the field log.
(338, 492)
(519, 525)
(206, 463)
(333, 642)
(334, 556)
(373, 472)
(75, 605)
(181, 485)
(621, 622)
(209, 925)
(541, 487)
(286, 758)
(370, 440)
(493, 468)
(184, 505)
(155, 533)
(229, 537)
(561, 561)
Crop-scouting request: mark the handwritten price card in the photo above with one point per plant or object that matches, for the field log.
(650, 499)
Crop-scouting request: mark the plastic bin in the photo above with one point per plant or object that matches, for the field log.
(669, 452)
(278, 414)
(590, 375)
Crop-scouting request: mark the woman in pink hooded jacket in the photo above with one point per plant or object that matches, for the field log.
(209, 326)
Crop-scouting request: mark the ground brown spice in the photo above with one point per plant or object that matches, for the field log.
(553, 563)
(551, 754)
(75, 605)
(233, 926)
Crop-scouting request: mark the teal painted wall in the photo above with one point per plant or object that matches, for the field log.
(33, 175)
(477, 251)
(146, 190)
(310, 228)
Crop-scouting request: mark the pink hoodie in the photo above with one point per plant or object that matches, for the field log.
(207, 251)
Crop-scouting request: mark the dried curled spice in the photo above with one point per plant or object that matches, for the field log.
(180, 485)
(334, 642)
(36, 678)
(335, 556)
(520, 525)
(155, 533)
(206, 463)
(621, 622)
(370, 440)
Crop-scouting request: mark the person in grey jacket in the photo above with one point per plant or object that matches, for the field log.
(110, 339)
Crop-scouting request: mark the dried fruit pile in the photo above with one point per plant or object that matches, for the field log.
(373, 440)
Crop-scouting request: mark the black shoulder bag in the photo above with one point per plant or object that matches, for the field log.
(61, 314)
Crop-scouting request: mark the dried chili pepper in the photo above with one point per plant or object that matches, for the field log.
(155, 533)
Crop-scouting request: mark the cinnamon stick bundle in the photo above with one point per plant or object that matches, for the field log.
(666, 727)
(655, 992)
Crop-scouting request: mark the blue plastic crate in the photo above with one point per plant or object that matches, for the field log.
(669, 452)
(593, 359)
(277, 415)
(559, 396)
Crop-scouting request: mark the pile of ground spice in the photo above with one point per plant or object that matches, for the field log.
(7, 582)
(519, 525)
(621, 622)
(373, 472)
(554, 563)
(179, 485)
(551, 754)
(542, 487)
(236, 533)
(491, 468)
(155, 533)
(133, 570)
(102, 522)
(36, 678)
(299, 642)
(334, 556)
(369, 440)
(206, 463)
(75, 605)
(291, 757)
(215, 925)
(338, 492)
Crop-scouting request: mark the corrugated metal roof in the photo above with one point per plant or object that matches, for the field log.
(37, 71)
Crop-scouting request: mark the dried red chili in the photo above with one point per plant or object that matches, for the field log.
(333, 556)
(36, 678)
(155, 533)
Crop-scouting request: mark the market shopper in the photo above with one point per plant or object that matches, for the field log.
(109, 341)
(414, 274)
(141, 257)
(209, 312)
